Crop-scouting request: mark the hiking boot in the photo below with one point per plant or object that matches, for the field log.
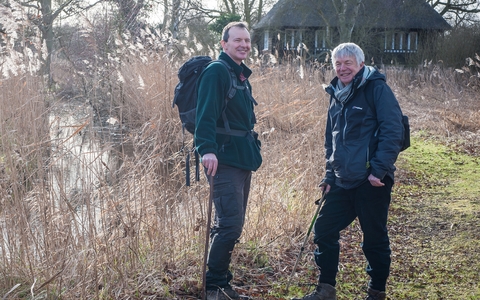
(226, 293)
(375, 295)
(323, 291)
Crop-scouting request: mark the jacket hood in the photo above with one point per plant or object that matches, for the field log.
(369, 73)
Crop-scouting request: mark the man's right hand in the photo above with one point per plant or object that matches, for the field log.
(210, 162)
(325, 187)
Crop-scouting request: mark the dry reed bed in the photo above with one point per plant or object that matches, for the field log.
(442, 102)
(142, 230)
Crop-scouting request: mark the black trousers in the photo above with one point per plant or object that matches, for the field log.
(231, 187)
(370, 204)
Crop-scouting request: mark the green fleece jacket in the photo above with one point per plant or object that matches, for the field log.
(213, 85)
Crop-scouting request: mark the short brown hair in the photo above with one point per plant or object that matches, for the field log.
(226, 29)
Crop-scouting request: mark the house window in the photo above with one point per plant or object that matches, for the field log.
(266, 46)
(412, 42)
(289, 39)
(293, 39)
(321, 39)
(400, 42)
(399, 37)
(300, 39)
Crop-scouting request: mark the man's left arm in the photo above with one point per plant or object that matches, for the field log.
(390, 134)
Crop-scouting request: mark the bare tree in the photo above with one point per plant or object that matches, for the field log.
(129, 11)
(231, 6)
(347, 12)
(251, 11)
(178, 14)
(43, 15)
(458, 12)
(260, 10)
(20, 42)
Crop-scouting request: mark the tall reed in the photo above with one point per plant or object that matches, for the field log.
(131, 228)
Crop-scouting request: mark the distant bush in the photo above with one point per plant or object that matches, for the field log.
(458, 44)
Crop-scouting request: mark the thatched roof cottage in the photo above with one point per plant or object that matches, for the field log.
(387, 30)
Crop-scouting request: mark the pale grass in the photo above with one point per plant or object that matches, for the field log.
(131, 228)
(138, 231)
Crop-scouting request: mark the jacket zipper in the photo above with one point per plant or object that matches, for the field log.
(368, 148)
(345, 127)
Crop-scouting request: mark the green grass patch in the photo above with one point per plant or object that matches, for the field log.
(435, 224)
(445, 173)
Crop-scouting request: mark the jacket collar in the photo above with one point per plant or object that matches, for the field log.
(242, 68)
(364, 74)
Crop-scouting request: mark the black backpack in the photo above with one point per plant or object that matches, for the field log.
(406, 133)
(405, 122)
(185, 97)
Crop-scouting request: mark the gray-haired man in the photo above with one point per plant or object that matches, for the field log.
(363, 138)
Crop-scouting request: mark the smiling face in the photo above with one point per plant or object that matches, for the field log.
(346, 68)
(238, 45)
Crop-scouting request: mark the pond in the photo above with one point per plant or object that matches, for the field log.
(84, 158)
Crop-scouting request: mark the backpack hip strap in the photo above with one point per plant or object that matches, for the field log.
(233, 132)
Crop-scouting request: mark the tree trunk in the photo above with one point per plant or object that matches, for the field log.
(47, 34)
(347, 16)
(130, 10)
(247, 9)
(260, 10)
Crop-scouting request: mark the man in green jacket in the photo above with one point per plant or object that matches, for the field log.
(229, 152)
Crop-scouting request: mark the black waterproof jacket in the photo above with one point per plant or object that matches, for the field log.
(364, 134)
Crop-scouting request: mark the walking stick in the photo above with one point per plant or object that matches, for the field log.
(207, 237)
(319, 202)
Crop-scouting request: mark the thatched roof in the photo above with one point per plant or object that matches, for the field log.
(389, 14)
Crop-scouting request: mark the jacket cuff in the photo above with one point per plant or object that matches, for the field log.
(207, 150)
(379, 175)
(329, 181)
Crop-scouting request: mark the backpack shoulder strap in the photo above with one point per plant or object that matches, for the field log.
(369, 97)
(232, 90)
(371, 102)
(234, 86)
(405, 121)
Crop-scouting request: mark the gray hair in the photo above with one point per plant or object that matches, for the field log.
(226, 29)
(346, 50)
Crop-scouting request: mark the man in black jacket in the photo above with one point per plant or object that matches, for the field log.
(363, 138)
